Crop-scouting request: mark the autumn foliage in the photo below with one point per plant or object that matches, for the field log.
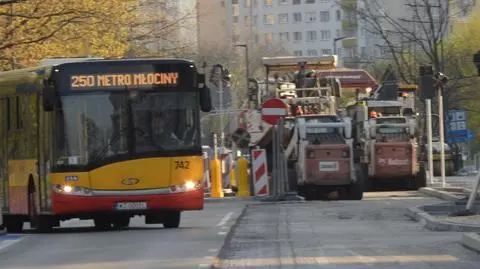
(34, 29)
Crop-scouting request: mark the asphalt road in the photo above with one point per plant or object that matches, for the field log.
(373, 233)
(77, 246)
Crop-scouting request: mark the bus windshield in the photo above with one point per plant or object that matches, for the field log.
(97, 127)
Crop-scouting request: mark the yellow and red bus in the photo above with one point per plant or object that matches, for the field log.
(101, 139)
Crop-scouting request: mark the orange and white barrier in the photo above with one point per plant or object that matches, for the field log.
(260, 172)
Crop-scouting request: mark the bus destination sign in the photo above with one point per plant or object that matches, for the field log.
(101, 81)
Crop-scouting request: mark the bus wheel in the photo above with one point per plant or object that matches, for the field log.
(171, 219)
(13, 224)
(102, 224)
(121, 222)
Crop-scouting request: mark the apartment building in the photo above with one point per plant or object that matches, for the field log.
(215, 25)
(167, 25)
(303, 27)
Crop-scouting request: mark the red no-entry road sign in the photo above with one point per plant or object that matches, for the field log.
(272, 110)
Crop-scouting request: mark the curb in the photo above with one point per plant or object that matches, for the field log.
(229, 199)
(471, 241)
(431, 223)
(216, 263)
(445, 195)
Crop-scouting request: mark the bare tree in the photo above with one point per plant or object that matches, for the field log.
(162, 28)
(411, 33)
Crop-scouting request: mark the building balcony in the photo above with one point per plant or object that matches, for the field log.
(349, 4)
(349, 24)
(349, 43)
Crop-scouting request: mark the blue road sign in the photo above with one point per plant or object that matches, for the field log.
(457, 126)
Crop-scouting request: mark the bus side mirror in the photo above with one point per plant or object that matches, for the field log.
(205, 99)
(48, 96)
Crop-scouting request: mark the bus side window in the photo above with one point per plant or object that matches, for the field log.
(8, 114)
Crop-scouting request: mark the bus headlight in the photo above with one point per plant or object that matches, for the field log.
(189, 185)
(71, 190)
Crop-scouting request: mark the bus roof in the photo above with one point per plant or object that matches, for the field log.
(61, 60)
(290, 63)
(130, 61)
(22, 80)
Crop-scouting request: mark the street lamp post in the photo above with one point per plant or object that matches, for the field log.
(335, 40)
(247, 67)
(220, 77)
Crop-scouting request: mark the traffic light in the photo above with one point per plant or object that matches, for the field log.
(252, 89)
(426, 83)
(476, 61)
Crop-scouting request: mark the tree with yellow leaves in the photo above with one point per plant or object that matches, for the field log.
(460, 47)
(34, 29)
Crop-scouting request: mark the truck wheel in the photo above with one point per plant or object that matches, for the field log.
(421, 178)
(172, 220)
(368, 186)
(292, 180)
(355, 190)
(13, 224)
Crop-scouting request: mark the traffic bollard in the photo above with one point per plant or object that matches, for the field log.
(243, 180)
(216, 187)
(233, 178)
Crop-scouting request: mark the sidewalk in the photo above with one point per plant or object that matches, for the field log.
(337, 234)
(445, 216)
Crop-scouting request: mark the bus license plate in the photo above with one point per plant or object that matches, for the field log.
(131, 205)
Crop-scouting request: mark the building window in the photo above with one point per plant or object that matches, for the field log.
(256, 39)
(246, 20)
(297, 53)
(284, 36)
(222, 4)
(310, 16)
(309, 1)
(283, 2)
(311, 36)
(235, 19)
(363, 52)
(268, 3)
(326, 51)
(296, 2)
(247, 3)
(339, 15)
(283, 18)
(325, 35)
(268, 19)
(268, 37)
(312, 52)
(297, 36)
(235, 2)
(297, 17)
(255, 3)
(255, 20)
(324, 16)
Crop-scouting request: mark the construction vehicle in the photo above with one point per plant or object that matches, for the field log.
(323, 162)
(318, 142)
(386, 140)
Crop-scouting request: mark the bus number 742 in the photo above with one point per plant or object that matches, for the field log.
(182, 165)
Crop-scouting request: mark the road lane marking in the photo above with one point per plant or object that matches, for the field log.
(5, 243)
(204, 265)
(222, 233)
(213, 250)
(224, 220)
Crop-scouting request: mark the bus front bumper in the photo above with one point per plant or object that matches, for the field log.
(71, 204)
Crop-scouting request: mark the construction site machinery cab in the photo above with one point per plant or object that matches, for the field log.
(324, 163)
